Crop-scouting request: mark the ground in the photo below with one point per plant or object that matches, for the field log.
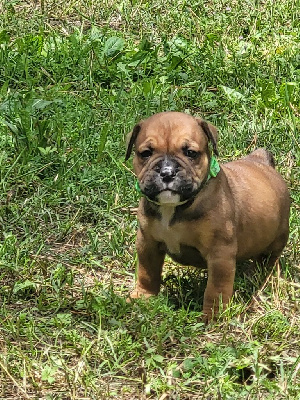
(75, 77)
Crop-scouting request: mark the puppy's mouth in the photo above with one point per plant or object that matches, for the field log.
(168, 197)
(168, 193)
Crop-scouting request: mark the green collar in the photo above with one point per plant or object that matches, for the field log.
(137, 187)
(214, 169)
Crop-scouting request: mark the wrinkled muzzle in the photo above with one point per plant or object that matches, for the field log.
(167, 179)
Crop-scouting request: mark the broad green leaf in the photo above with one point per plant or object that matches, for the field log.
(232, 94)
(113, 46)
(23, 285)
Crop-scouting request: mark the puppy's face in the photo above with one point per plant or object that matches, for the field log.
(171, 156)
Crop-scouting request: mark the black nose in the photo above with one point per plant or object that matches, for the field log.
(167, 171)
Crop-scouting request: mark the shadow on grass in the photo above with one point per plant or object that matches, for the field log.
(185, 286)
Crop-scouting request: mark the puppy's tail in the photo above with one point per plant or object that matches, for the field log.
(263, 156)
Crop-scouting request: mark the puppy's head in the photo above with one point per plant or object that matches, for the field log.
(172, 156)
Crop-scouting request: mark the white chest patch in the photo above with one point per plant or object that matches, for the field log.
(167, 233)
(172, 243)
(163, 231)
(167, 213)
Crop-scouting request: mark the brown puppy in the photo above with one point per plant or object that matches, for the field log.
(200, 214)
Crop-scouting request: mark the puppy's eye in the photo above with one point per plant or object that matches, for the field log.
(146, 153)
(190, 153)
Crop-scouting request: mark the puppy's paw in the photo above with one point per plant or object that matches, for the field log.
(208, 316)
(212, 311)
(139, 293)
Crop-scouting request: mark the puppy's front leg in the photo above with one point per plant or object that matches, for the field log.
(221, 271)
(150, 263)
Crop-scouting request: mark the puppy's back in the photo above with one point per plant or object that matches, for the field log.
(263, 202)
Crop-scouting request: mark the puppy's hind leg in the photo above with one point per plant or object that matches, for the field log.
(274, 251)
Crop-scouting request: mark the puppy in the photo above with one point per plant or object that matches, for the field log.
(199, 212)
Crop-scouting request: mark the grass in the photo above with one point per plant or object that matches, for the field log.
(74, 79)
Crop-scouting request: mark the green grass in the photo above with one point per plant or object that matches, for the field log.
(74, 79)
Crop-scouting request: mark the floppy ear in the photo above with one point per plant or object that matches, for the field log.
(211, 132)
(131, 138)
